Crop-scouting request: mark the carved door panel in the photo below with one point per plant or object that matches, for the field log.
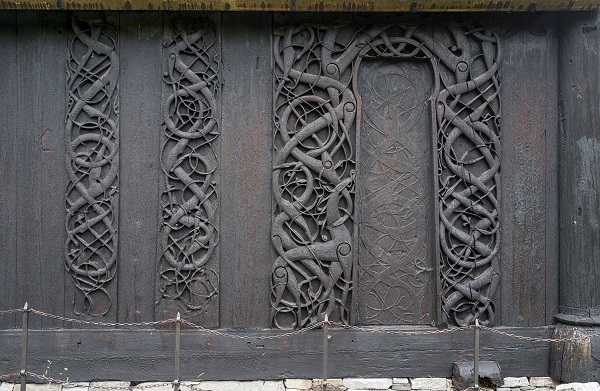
(360, 150)
(396, 267)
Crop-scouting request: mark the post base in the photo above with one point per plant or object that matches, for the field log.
(490, 374)
(576, 360)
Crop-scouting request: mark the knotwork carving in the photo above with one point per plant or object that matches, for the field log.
(317, 94)
(189, 201)
(468, 113)
(395, 255)
(92, 139)
(313, 182)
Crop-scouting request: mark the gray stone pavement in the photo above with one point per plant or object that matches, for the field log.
(346, 384)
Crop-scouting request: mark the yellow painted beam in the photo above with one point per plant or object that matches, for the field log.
(309, 5)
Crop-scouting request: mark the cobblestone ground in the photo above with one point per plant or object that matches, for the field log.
(346, 384)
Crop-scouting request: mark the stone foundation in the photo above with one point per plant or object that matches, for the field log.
(346, 384)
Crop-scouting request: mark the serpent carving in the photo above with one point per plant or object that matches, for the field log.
(189, 200)
(317, 104)
(92, 160)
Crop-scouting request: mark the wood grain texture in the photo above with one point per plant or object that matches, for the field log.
(528, 187)
(148, 355)
(28, 280)
(8, 167)
(579, 152)
(141, 78)
(246, 252)
(308, 5)
(50, 105)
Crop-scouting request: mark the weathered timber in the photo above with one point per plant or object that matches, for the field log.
(579, 152)
(529, 169)
(579, 179)
(246, 183)
(140, 137)
(50, 109)
(308, 5)
(40, 178)
(147, 354)
(8, 162)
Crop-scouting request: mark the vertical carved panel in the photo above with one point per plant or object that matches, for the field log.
(319, 85)
(188, 270)
(468, 112)
(395, 260)
(92, 139)
(313, 181)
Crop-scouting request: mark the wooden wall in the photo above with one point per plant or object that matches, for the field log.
(33, 182)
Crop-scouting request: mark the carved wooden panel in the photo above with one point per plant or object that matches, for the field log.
(188, 270)
(313, 180)
(468, 117)
(395, 259)
(318, 84)
(92, 140)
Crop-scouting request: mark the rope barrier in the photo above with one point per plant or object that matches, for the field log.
(301, 331)
(178, 386)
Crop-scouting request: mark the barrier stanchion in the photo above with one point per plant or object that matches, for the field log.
(476, 356)
(177, 351)
(325, 349)
(23, 373)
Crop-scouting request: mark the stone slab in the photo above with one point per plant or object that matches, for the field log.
(156, 386)
(542, 381)
(6, 386)
(42, 387)
(400, 384)
(367, 384)
(430, 383)
(79, 386)
(516, 382)
(242, 385)
(109, 385)
(591, 386)
(303, 384)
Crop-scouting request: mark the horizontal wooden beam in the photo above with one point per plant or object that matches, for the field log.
(308, 5)
(146, 355)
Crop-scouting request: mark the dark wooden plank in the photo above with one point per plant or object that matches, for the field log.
(29, 279)
(246, 251)
(148, 355)
(528, 126)
(50, 40)
(552, 160)
(141, 77)
(8, 166)
(579, 153)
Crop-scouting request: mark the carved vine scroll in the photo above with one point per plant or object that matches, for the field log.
(92, 139)
(189, 200)
(317, 110)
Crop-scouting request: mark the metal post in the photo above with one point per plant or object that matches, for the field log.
(476, 358)
(23, 373)
(177, 351)
(325, 349)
